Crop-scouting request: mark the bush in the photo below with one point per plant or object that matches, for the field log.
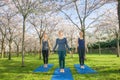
(107, 44)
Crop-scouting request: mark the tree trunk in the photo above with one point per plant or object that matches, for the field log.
(99, 48)
(40, 57)
(118, 46)
(10, 42)
(17, 50)
(83, 30)
(9, 57)
(3, 48)
(118, 53)
(91, 49)
(35, 51)
(23, 38)
(71, 47)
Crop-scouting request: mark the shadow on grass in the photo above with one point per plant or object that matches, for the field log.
(11, 66)
(110, 71)
(106, 69)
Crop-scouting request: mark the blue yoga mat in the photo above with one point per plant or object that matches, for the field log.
(67, 75)
(86, 70)
(42, 69)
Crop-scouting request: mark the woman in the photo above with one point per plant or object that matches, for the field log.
(62, 45)
(45, 49)
(81, 49)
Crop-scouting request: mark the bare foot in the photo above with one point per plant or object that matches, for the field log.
(60, 70)
(63, 71)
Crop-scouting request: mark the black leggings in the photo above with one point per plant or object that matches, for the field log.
(81, 53)
(45, 56)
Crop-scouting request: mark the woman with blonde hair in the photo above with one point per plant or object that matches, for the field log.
(45, 49)
(62, 44)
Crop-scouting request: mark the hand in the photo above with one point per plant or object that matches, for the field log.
(51, 50)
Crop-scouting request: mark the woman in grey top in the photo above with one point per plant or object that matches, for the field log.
(45, 49)
(62, 45)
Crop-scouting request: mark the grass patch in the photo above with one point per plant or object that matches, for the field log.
(107, 67)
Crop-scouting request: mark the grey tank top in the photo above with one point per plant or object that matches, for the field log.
(45, 45)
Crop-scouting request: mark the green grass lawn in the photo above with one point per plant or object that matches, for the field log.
(107, 67)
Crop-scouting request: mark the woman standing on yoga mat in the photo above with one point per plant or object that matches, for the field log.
(81, 49)
(62, 45)
(45, 49)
